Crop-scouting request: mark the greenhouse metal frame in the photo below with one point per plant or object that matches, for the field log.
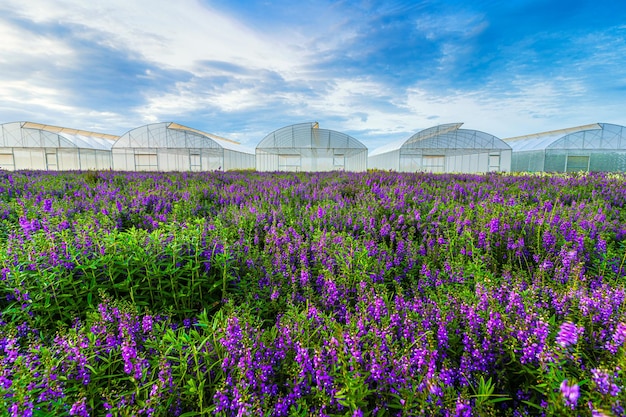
(444, 148)
(169, 146)
(36, 146)
(593, 147)
(306, 147)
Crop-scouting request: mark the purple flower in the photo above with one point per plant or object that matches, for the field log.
(494, 225)
(618, 338)
(128, 354)
(79, 408)
(29, 226)
(146, 324)
(568, 334)
(5, 382)
(463, 409)
(604, 382)
(570, 393)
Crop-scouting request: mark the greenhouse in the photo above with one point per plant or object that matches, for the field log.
(27, 145)
(306, 147)
(594, 147)
(170, 146)
(444, 148)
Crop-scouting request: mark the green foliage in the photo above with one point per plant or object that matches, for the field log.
(301, 294)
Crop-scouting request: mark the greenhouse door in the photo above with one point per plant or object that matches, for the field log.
(51, 160)
(494, 162)
(195, 161)
(339, 162)
(434, 163)
(576, 163)
(6, 161)
(289, 163)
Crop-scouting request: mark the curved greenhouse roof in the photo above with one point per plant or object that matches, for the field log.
(445, 137)
(595, 136)
(37, 135)
(308, 136)
(167, 135)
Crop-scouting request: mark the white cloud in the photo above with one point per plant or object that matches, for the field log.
(173, 34)
(287, 72)
(189, 97)
(24, 93)
(527, 105)
(170, 35)
(48, 105)
(18, 43)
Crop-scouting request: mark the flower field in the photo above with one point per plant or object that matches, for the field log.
(330, 294)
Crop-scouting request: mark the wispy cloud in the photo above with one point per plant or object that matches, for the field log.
(378, 70)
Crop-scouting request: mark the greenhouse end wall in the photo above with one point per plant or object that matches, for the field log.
(432, 160)
(306, 161)
(54, 159)
(306, 147)
(585, 160)
(356, 163)
(385, 161)
(266, 161)
(146, 159)
(569, 161)
(234, 160)
(490, 161)
(532, 161)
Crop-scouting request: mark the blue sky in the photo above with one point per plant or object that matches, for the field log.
(377, 70)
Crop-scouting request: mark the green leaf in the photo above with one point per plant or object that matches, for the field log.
(538, 407)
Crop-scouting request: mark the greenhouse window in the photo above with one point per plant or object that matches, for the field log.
(434, 163)
(146, 162)
(6, 161)
(577, 163)
(494, 162)
(289, 162)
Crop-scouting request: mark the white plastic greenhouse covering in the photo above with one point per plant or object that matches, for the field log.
(306, 147)
(27, 145)
(594, 147)
(444, 148)
(170, 146)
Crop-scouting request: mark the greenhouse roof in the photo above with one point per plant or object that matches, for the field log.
(445, 136)
(223, 142)
(20, 134)
(69, 131)
(396, 145)
(589, 137)
(309, 136)
(174, 135)
(543, 140)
